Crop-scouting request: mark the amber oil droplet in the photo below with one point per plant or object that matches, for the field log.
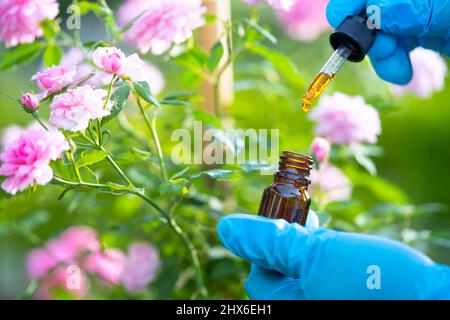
(321, 81)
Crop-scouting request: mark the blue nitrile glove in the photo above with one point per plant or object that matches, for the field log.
(289, 262)
(405, 24)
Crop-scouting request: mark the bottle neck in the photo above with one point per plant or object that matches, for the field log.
(294, 168)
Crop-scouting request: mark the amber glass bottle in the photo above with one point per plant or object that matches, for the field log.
(287, 197)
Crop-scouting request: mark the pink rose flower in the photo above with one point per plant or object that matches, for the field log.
(430, 70)
(108, 264)
(54, 263)
(20, 20)
(135, 271)
(283, 5)
(79, 247)
(10, 134)
(112, 60)
(54, 79)
(76, 59)
(29, 102)
(321, 148)
(39, 262)
(140, 267)
(306, 19)
(74, 109)
(109, 59)
(329, 184)
(139, 70)
(164, 23)
(73, 242)
(26, 160)
(345, 120)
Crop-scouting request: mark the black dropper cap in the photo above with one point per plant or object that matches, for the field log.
(355, 33)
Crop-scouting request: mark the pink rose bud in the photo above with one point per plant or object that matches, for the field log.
(30, 102)
(320, 147)
(109, 59)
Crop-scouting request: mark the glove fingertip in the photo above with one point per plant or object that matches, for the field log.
(338, 10)
(396, 69)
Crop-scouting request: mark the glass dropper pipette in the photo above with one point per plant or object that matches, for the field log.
(351, 41)
(325, 76)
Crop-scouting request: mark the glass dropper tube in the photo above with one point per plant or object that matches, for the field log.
(326, 75)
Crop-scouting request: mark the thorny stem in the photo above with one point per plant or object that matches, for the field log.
(99, 122)
(217, 100)
(36, 116)
(111, 84)
(118, 169)
(151, 125)
(109, 158)
(69, 155)
(99, 132)
(128, 129)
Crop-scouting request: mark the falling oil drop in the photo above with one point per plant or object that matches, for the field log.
(321, 81)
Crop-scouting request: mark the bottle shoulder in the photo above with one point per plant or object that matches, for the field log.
(285, 189)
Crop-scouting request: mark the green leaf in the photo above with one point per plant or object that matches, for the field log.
(119, 187)
(207, 118)
(52, 55)
(252, 167)
(384, 190)
(31, 222)
(95, 44)
(219, 174)
(62, 170)
(194, 60)
(85, 7)
(51, 29)
(119, 97)
(180, 96)
(175, 186)
(143, 89)
(324, 219)
(215, 56)
(20, 55)
(90, 157)
(362, 157)
(263, 32)
(280, 62)
(141, 154)
(88, 175)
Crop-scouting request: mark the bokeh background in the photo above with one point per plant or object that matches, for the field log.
(416, 157)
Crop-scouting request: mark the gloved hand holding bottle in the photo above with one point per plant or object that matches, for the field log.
(290, 262)
(405, 25)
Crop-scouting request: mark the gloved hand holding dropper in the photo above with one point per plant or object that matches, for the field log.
(405, 25)
(393, 28)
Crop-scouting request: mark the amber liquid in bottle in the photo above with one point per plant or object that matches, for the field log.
(287, 197)
(314, 91)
